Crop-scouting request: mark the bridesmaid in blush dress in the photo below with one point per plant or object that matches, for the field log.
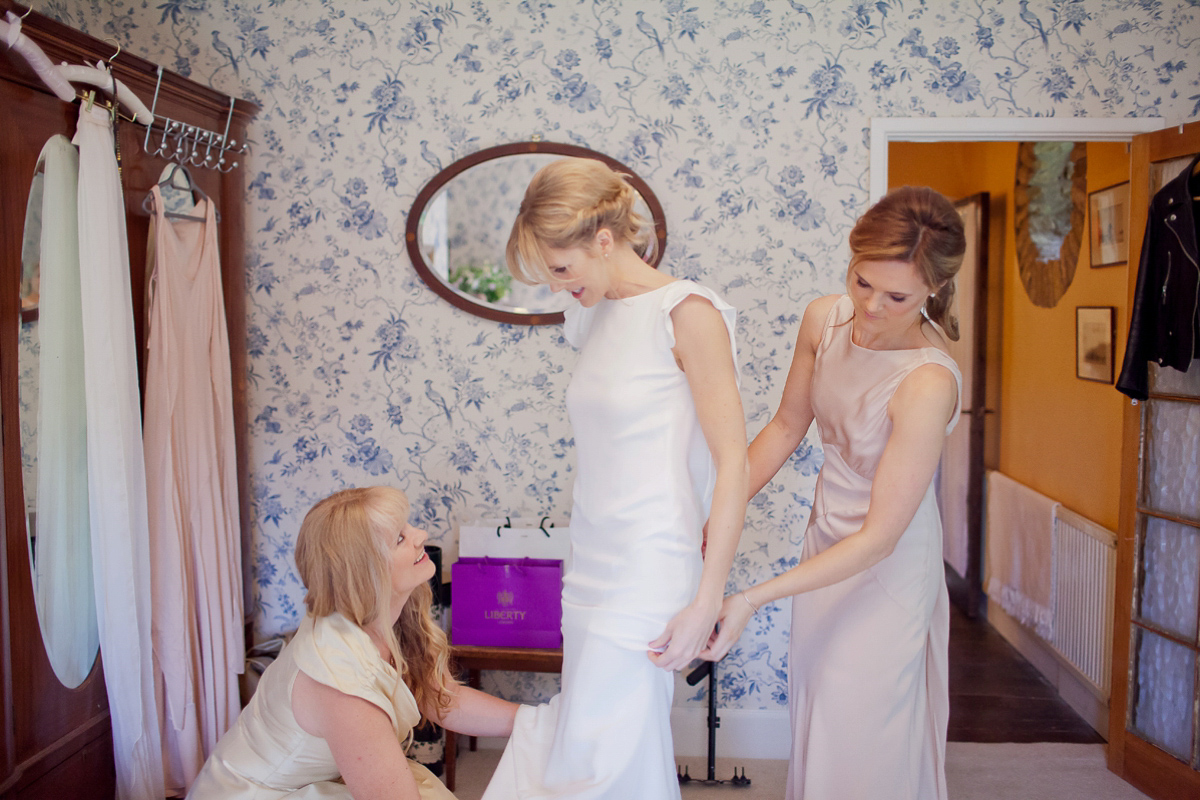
(870, 613)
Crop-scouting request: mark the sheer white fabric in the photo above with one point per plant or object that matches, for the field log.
(66, 600)
(116, 469)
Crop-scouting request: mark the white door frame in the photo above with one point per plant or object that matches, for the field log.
(994, 129)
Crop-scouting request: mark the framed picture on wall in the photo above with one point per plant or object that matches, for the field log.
(1094, 327)
(1108, 222)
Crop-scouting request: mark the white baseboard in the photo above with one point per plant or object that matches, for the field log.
(743, 733)
(1078, 695)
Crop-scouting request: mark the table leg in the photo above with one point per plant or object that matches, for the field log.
(473, 682)
(450, 757)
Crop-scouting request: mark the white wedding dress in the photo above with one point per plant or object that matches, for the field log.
(642, 492)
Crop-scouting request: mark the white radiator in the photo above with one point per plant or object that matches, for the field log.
(1085, 565)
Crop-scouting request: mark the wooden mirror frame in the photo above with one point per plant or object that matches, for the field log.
(1046, 280)
(479, 309)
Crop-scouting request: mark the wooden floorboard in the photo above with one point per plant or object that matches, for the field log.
(996, 695)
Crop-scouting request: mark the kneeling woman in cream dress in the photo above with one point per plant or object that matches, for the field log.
(341, 700)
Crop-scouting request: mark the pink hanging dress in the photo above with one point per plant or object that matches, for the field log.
(195, 535)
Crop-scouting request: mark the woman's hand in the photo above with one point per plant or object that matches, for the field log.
(685, 636)
(734, 616)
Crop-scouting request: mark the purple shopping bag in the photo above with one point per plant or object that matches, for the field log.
(507, 602)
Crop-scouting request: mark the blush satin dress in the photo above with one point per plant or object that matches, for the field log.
(868, 663)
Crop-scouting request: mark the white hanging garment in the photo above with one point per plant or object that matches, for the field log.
(66, 600)
(195, 536)
(116, 469)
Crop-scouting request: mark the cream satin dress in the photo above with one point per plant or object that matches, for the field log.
(267, 755)
(642, 493)
(868, 670)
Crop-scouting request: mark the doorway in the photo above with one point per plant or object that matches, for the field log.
(1033, 418)
(886, 131)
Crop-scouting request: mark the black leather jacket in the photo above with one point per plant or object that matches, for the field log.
(1165, 323)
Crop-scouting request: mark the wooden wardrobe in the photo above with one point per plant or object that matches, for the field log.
(57, 742)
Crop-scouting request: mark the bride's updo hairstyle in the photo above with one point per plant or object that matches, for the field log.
(920, 226)
(343, 556)
(566, 204)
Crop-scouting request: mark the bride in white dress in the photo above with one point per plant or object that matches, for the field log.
(661, 440)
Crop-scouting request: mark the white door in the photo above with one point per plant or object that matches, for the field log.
(960, 476)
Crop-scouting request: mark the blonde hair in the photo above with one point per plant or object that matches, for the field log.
(343, 555)
(567, 202)
(920, 226)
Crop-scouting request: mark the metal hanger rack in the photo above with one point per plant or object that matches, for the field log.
(191, 145)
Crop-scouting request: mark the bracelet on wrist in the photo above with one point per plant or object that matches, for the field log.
(747, 599)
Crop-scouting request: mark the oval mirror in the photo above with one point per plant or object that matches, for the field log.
(53, 419)
(1049, 200)
(459, 225)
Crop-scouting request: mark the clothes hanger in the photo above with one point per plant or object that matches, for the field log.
(59, 78)
(189, 185)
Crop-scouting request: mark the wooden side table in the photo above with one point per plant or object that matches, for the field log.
(474, 659)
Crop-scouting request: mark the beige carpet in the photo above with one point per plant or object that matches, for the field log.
(1043, 771)
(767, 778)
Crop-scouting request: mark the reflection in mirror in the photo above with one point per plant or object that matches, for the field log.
(53, 420)
(31, 247)
(465, 228)
(1049, 199)
(459, 226)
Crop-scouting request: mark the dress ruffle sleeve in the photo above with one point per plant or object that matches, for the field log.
(675, 293)
(341, 655)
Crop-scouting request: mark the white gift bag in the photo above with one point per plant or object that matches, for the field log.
(513, 537)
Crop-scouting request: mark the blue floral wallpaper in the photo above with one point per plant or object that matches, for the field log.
(749, 118)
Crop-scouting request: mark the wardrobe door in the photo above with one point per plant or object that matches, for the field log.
(56, 740)
(1154, 724)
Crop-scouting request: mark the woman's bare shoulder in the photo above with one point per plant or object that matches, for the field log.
(929, 389)
(821, 307)
(812, 326)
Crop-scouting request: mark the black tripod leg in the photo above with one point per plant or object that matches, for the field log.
(714, 722)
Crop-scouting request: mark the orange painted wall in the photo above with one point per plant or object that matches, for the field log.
(1056, 433)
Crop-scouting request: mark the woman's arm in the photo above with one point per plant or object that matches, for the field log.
(474, 713)
(360, 736)
(702, 349)
(782, 435)
(919, 411)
